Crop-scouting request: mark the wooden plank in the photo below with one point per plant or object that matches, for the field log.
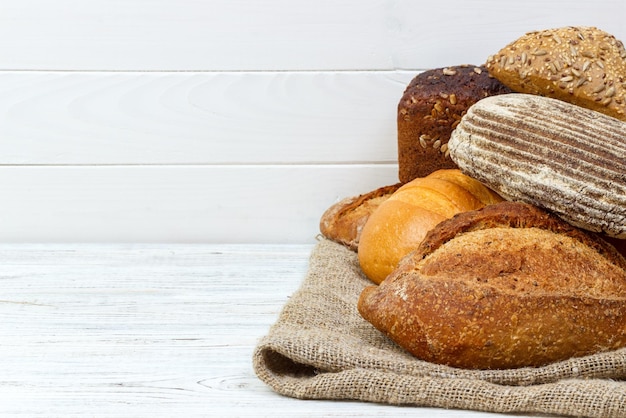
(199, 118)
(187, 203)
(224, 35)
(151, 330)
(134, 330)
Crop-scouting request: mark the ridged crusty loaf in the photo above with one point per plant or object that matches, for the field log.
(550, 153)
(344, 221)
(581, 65)
(507, 286)
(400, 223)
(430, 108)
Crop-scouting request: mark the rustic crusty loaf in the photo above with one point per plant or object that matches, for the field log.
(344, 221)
(581, 65)
(400, 223)
(561, 157)
(619, 244)
(430, 108)
(507, 286)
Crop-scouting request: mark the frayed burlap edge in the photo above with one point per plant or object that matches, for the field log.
(321, 348)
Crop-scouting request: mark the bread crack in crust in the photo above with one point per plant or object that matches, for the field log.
(506, 286)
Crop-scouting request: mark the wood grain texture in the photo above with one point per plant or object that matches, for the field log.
(224, 35)
(53, 118)
(150, 330)
(189, 157)
(130, 121)
(187, 203)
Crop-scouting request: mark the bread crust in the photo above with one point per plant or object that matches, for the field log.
(506, 286)
(514, 215)
(581, 65)
(430, 108)
(343, 221)
(561, 157)
(398, 226)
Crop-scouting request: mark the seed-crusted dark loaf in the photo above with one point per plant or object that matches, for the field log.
(430, 108)
(506, 286)
(581, 65)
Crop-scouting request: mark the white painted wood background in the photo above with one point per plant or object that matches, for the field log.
(219, 120)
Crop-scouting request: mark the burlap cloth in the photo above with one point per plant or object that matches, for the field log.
(321, 348)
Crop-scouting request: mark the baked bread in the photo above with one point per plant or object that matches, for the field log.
(430, 108)
(506, 286)
(581, 65)
(552, 154)
(619, 244)
(344, 221)
(400, 223)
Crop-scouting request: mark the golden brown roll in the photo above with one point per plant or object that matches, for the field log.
(400, 223)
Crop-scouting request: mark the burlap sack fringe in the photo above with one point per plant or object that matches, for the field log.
(321, 348)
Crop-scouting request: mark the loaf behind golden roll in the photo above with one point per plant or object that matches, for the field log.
(401, 222)
(343, 221)
(581, 65)
(506, 286)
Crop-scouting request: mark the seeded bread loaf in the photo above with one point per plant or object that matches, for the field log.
(430, 108)
(344, 221)
(552, 154)
(506, 286)
(580, 65)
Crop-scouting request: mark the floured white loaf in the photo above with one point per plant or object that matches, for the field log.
(555, 155)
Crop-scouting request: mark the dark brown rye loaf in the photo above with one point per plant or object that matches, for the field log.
(430, 108)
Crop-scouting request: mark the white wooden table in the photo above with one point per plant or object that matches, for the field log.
(150, 330)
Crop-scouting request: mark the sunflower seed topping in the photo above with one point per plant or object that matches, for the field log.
(610, 92)
(576, 64)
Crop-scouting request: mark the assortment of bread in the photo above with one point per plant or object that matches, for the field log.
(503, 248)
